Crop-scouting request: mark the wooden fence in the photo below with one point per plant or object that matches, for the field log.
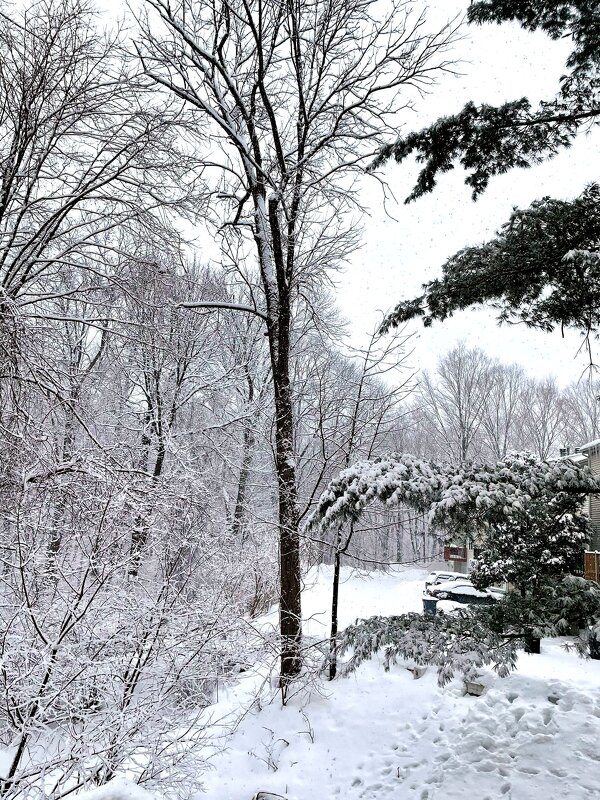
(591, 566)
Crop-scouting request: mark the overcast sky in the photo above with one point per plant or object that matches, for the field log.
(398, 256)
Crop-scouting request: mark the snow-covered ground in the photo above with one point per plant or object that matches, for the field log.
(535, 734)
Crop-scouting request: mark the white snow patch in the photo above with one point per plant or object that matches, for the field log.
(386, 735)
(118, 789)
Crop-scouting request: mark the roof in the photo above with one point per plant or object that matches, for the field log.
(576, 458)
(588, 446)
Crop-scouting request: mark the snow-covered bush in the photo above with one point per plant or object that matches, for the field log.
(553, 610)
(527, 510)
(527, 513)
(105, 674)
(459, 643)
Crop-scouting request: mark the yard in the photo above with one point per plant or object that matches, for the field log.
(374, 735)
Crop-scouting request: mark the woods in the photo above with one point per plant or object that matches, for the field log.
(180, 194)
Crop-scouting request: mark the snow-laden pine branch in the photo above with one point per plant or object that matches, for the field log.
(454, 496)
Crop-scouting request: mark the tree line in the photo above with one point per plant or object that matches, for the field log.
(167, 424)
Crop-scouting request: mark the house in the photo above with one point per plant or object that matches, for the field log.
(589, 454)
(460, 558)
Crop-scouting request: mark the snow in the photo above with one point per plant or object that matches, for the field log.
(118, 790)
(380, 735)
(588, 446)
(461, 588)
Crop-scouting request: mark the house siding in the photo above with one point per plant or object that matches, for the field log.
(594, 500)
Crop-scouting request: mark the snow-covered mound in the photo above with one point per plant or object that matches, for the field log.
(117, 789)
(378, 735)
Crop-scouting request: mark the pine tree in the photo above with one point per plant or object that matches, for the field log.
(527, 515)
(543, 267)
(460, 643)
(519, 491)
(489, 140)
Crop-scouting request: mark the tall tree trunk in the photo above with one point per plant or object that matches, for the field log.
(140, 532)
(277, 274)
(335, 593)
(290, 609)
(238, 526)
(67, 450)
(238, 523)
(334, 613)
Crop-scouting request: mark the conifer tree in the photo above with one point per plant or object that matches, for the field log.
(489, 140)
(543, 266)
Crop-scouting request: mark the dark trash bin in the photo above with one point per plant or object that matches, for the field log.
(532, 644)
(430, 605)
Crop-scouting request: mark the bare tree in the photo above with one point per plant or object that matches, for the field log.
(356, 407)
(503, 395)
(541, 417)
(453, 399)
(293, 97)
(82, 152)
(582, 412)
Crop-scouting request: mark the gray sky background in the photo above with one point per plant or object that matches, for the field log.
(499, 63)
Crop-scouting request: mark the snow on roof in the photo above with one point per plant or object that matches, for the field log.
(588, 446)
(576, 458)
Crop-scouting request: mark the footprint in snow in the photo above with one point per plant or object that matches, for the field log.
(528, 770)
(437, 778)
(558, 772)
(485, 766)
(567, 702)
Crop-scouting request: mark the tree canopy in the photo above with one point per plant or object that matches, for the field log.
(489, 140)
(526, 515)
(461, 499)
(542, 268)
(524, 511)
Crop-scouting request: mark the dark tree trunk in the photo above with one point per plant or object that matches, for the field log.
(68, 448)
(279, 308)
(239, 512)
(532, 644)
(334, 609)
(290, 610)
(140, 532)
(335, 593)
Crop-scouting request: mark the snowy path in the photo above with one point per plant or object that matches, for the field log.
(376, 735)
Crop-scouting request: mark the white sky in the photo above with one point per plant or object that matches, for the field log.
(398, 256)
